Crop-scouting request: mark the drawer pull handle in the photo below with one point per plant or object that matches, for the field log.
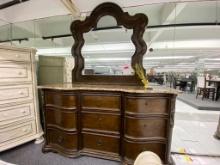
(26, 130)
(146, 103)
(99, 119)
(21, 93)
(23, 111)
(99, 143)
(60, 139)
(145, 125)
(17, 56)
(144, 149)
(20, 73)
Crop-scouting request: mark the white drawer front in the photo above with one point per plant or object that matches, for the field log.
(17, 132)
(11, 55)
(15, 72)
(15, 113)
(11, 94)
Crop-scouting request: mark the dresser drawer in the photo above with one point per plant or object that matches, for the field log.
(132, 149)
(15, 72)
(9, 94)
(61, 139)
(101, 143)
(60, 100)
(147, 105)
(11, 55)
(17, 132)
(100, 101)
(152, 127)
(63, 119)
(15, 113)
(97, 121)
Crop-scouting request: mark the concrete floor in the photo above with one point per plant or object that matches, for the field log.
(193, 134)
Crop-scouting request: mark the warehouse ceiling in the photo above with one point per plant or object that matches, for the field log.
(180, 34)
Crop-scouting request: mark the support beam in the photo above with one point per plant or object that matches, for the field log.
(11, 3)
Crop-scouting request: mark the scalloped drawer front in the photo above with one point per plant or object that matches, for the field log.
(97, 121)
(100, 101)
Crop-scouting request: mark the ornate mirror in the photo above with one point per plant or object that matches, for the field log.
(92, 60)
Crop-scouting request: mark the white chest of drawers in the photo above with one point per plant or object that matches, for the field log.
(19, 115)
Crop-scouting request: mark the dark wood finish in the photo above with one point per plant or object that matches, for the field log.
(110, 123)
(138, 23)
(107, 144)
(150, 127)
(63, 139)
(143, 105)
(132, 149)
(60, 100)
(101, 101)
(124, 125)
(107, 124)
(217, 85)
(60, 118)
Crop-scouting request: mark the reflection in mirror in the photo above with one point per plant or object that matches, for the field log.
(108, 49)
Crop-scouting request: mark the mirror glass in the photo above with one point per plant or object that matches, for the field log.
(108, 49)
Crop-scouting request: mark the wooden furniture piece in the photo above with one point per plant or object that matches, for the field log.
(111, 117)
(217, 85)
(19, 118)
(55, 69)
(203, 89)
(111, 122)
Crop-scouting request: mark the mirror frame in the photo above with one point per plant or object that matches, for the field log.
(138, 23)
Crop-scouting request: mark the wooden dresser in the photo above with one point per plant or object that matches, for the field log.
(19, 118)
(111, 122)
(115, 121)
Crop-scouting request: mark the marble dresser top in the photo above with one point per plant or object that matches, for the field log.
(117, 88)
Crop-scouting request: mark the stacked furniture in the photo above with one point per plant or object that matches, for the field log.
(55, 69)
(204, 89)
(19, 118)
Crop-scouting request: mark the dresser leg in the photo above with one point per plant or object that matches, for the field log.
(39, 140)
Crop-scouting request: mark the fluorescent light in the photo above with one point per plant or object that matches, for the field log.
(54, 51)
(108, 47)
(106, 59)
(192, 44)
(167, 57)
(212, 59)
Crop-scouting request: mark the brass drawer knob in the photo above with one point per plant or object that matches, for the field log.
(146, 103)
(60, 139)
(20, 73)
(144, 149)
(99, 143)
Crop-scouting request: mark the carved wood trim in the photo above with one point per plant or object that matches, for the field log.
(138, 23)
